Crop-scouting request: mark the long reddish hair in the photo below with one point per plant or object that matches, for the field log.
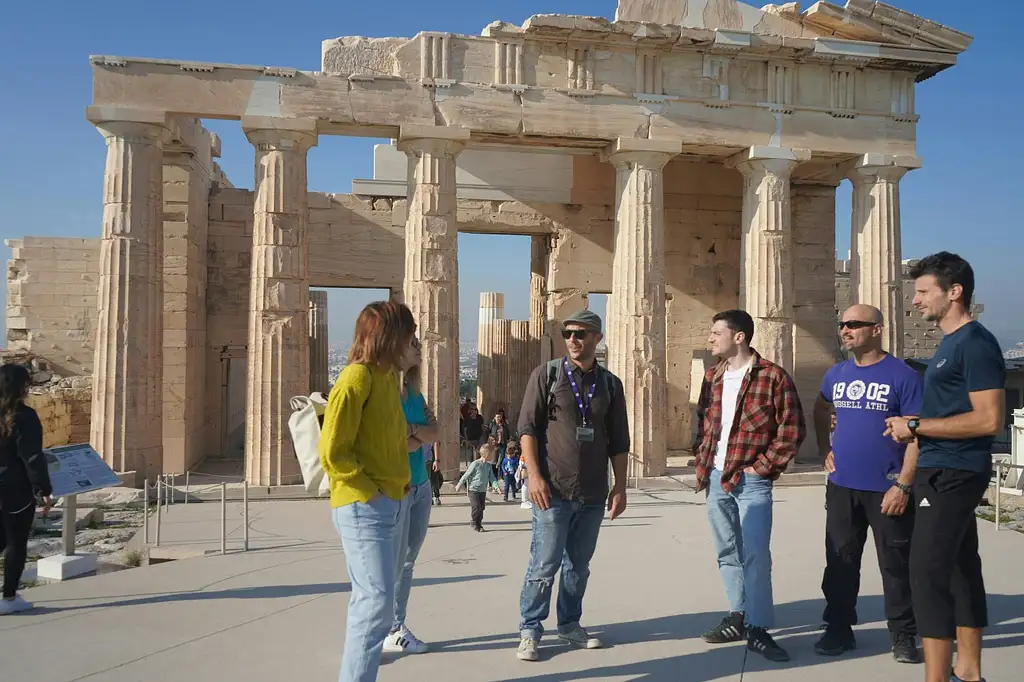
(383, 329)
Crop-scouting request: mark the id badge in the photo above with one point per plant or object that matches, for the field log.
(585, 434)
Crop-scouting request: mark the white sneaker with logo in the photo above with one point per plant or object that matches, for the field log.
(16, 605)
(404, 642)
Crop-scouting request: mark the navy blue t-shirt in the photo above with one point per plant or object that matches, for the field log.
(967, 361)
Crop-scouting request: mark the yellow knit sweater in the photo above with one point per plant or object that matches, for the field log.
(363, 443)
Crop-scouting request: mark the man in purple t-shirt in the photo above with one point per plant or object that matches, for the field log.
(869, 482)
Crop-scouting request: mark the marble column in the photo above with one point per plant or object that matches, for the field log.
(636, 307)
(127, 403)
(766, 250)
(539, 257)
(278, 353)
(319, 374)
(876, 264)
(492, 309)
(431, 286)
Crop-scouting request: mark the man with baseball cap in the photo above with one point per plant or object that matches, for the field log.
(572, 422)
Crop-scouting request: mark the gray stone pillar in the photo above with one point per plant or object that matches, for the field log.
(492, 309)
(319, 375)
(876, 265)
(127, 403)
(766, 252)
(636, 307)
(431, 287)
(279, 296)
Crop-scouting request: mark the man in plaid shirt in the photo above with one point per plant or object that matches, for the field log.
(749, 426)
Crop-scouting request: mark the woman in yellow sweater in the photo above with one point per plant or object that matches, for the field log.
(364, 450)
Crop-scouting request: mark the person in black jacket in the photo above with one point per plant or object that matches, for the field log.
(24, 479)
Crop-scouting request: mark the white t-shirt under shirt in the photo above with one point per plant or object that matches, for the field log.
(731, 382)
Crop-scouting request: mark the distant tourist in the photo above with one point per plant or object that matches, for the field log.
(472, 427)
(509, 467)
(572, 423)
(364, 450)
(963, 409)
(749, 426)
(869, 483)
(434, 470)
(414, 529)
(477, 479)
(24, 480)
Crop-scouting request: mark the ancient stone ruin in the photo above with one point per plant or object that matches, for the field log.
(682, 158)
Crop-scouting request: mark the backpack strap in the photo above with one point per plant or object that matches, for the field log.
(554, 373)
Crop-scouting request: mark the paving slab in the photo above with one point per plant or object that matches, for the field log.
(278, 612)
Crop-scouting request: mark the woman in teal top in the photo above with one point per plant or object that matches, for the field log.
(414, 531)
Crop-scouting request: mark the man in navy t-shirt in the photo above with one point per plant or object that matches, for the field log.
(963, 409)
(869, 482)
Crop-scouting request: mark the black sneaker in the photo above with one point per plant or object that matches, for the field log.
(760, 641)
(904, 649)
(835, 641)
(731, 629)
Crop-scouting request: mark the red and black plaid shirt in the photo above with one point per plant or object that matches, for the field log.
(768, 429)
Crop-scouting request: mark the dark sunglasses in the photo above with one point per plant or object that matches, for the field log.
(856, 324)
(579, 334)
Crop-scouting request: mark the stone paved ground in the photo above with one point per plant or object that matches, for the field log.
(278, 613)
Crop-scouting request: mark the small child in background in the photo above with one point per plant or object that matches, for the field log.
(522, 477)
(509, 467)
(477, 479)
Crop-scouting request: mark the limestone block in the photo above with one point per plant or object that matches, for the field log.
(361, 56)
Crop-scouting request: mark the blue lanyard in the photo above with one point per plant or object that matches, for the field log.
(583, 406)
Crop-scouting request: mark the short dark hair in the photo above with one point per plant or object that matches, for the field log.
(947, 269)
(738, 321)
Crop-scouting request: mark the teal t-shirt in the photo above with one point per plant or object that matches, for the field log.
(415, 408)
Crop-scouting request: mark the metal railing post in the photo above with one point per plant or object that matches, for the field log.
(245, 515)
(999, 485)
(145, 512)
(158, 501)
(186, 486)
(223, 518)
(171, 489)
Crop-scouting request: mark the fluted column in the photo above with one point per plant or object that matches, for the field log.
(766, 250)
(279, 296)
(127, 403)
(539, 258)
(875, 250)
(492, 309)
(636, 307)
(319, 375)
(432, 272)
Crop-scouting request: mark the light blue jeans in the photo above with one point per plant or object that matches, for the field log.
(741, 525)
(414, 532)
(564, 536)
(370, 535)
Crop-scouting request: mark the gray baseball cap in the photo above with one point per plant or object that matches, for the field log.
(587, 318)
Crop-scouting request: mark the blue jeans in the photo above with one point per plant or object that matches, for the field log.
(370, 535)
(414, 532)
(741, 525)
(565, 535)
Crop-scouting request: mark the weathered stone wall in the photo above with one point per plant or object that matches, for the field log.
(64, 412)
(51, 301)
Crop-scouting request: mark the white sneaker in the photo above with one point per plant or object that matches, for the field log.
(526, 505)
(579, 637)
(16, 605)
(404, 642)
(527, 649)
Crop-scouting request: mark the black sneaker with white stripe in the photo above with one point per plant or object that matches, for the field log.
(731, 629)
(760, 641)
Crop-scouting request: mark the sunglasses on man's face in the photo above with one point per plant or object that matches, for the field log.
(579, 334)
(856, 324)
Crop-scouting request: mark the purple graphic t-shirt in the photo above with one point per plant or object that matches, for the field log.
(863, 397)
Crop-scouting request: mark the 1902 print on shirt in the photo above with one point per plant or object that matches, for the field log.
(849, 396)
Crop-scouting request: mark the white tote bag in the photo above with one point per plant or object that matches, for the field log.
(304, 425)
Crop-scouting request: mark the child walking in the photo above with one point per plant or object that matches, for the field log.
(477, 479)
(509, 467)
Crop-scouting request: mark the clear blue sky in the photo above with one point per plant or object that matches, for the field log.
(966, 199)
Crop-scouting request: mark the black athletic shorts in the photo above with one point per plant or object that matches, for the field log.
(946, 584)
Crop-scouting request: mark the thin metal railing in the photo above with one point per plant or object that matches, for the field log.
(634, 470)
(165, 493)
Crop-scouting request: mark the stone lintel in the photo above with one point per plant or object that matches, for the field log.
(291, 125)
(768, 154)
(633, 145)
(425, 132)
(98, 115)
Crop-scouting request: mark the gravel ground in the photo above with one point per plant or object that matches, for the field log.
(1008, 518)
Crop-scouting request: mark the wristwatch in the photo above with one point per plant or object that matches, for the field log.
(904, 488)
(912, 424)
